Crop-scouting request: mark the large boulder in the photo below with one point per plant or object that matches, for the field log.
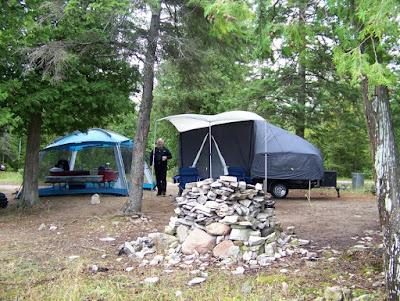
(218, 229)
(198, 240)
(226, 249)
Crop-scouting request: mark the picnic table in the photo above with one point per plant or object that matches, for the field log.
(74, 179)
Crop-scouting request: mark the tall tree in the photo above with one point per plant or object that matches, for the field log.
(61, 72)
(368, 33)
(134, 203)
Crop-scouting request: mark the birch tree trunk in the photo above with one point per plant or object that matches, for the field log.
(134, 203)
(30, 195)
(387, 173)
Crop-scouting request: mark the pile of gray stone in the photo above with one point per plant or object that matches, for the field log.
(226, 218)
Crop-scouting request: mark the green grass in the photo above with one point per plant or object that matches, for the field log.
(10, 177)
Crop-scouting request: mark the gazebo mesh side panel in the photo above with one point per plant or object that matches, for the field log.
(92, 158)
(49, 159)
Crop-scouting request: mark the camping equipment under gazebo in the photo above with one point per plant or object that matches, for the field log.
(245, 145)
(97, 161)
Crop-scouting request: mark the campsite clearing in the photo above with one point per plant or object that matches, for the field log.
(42, 264)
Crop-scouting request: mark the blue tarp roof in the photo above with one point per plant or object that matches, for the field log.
(92, 138)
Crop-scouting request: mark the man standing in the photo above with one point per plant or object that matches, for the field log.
(160, 156)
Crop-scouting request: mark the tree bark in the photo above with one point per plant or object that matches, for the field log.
(387, 177)
(30, 195)
(134, 203)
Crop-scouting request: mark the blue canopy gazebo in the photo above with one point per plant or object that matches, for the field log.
(97, 161)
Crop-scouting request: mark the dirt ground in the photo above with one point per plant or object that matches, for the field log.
(326, 221)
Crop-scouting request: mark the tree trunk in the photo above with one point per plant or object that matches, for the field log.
(30, 194)
(134, 203)
(302, 92)
(387, 173)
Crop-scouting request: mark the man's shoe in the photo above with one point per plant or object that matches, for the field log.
(163, 193)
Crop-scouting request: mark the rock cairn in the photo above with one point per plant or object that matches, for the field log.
(232, 220)
(225, 215)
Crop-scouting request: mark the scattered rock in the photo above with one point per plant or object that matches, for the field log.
(52, 228)
(42, 227)
(107, 239)
(238, 271)
(226, 249)
(73, 257)
(93, 269)
(157, 260)
(95, 199)
(196, 280)
(290, 230)
(151, 281)
(129, 269)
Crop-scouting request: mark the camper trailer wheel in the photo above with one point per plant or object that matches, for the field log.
(279, 190)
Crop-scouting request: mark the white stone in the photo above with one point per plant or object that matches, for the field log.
(228, 178)
(264, 260)
(247, 255)
(95, 199)
(202, 208)
(230, 219)
(303, 242)
(72, 257)
(258, 186)
(245, 202)
(216, 184)
(238, 271)
(150, 281)
(93, 268)
(240, 234)
(129, 269)
(42, 227)
(242, 185)
(196, 280)
(212, 204)
(157, 260)
(256, 240)
(107, 239)
(270, 249)
(182, 232)
(290, 230)
(53, 228)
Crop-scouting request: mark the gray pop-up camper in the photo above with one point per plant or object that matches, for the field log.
(244, 144)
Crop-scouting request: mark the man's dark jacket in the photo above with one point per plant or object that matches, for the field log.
(158, 162)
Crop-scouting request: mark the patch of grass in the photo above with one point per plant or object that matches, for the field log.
(271, 279)
(10, 177)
